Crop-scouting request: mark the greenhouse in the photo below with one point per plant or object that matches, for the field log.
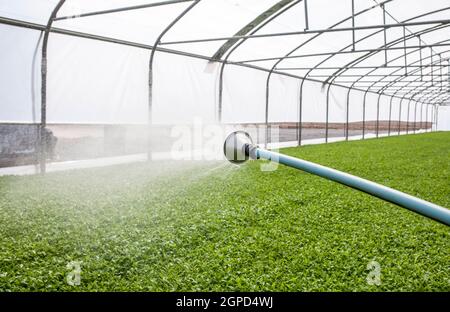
(113, 117)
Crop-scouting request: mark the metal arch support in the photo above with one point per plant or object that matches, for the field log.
(266, 114)
(400, 116)
(251, 28)
(341, 67)
(421, 115)
(434, 98)
(390, 115)
(307, 32)
(415, 117)
(390, 107)
(401, 88)
(42, 136)
(334, 53)
(378, 115)
(151, 62)
(400, 67)
(408, 82)
(300, 46)
(407, 117)
(381, 66)
(420, 100)
(401, 77)
(431, 99)
(358, 60)
(327, 112)
(366, 56)
(437, 118)
(300, 109)
(432, 117)
(34, 26)
(364, 114)
(436, 109)
(122, 9)
(347, 114)
(225, 60)
(394, 80)
(317, 35)
(446, 98)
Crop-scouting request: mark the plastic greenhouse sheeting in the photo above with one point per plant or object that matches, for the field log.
(99, 53)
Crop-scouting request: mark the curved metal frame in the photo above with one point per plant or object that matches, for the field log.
(296, 49)
(435, 97)
(150, 68)
(346, 67)
(43, 124)
(404, 96)
(393, 81)
(359, 59)
(237, 45)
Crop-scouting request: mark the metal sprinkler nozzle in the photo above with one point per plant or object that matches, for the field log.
(239, 147)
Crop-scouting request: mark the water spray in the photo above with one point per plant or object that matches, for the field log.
(239, 147)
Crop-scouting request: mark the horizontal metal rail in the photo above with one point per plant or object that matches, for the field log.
(307, 32)
(34, 26)
(369, 75)
(356, 67)
(342, 52)
(123, 9)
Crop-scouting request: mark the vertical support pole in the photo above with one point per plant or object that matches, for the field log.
(220, 104)
(404, 51)
(378, 115)
(400, 116)
(407, 118)
(432, 117)
(266, 114)
(424, 106)
(415, 117)
(426, 118)
(437, 117)
(300, 117)
(353, 26)
(327, 113)
(364, 115)
(150, 70)
(306, 15)
(390, 116)
(421, 115)
(44, 61)
(421, 58)
(385, 36)
(347, 114)
(432, 67)
(440, 73)
(448, 75)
